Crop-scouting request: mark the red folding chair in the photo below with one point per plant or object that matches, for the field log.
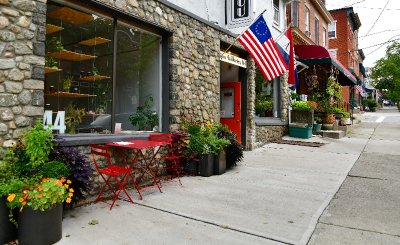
(172, 161)
(110, 172)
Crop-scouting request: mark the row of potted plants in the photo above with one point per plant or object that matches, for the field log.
(208, 149)
(38, 176)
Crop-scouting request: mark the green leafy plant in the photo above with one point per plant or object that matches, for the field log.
(145, 118)
(346, 114)
(234, 151)
(38, 144)
(66, 83)
(51, 62)
(265, 105)
(54, 169)
(301, 105)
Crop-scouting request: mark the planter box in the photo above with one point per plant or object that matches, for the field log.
(8, 231)
(300, 131)
(191, 167)
(220, 163)
(206, 165)
(40, 227)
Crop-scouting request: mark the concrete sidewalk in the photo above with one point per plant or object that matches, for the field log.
(275, 196)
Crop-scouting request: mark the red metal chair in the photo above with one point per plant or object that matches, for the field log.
(172, 161)
(110, 172)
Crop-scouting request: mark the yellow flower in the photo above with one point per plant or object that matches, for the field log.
(66, 186)
(68, 200)
(11, 197)
(69, 181)
(71, 190)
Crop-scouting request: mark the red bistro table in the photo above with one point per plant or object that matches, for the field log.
(138, 146)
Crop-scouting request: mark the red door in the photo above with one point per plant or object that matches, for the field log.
(231, 108)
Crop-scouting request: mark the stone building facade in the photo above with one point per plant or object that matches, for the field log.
(194, 66)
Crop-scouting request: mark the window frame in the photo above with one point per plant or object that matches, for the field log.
(307, 21)
(324, 40)
(316, 31)
(276, 9)
(332, 25)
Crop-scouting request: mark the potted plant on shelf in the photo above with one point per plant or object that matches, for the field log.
(345, 118)
(73, 117)
(66, 83)
(145, 118)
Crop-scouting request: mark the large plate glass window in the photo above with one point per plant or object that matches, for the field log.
(81, 78)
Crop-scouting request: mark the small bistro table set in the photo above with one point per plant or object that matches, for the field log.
(139, 158)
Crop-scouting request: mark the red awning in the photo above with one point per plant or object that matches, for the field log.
(315, 54)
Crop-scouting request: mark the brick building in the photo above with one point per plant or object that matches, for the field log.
(343, 43)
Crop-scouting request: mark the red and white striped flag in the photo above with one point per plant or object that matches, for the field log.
(359, 89)
(258, 41)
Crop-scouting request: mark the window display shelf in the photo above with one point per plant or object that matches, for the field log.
(95, 41)
(71, 56)
(70, 95)
(70, 15)
(52, 28)
(93, 78)
(51, 70)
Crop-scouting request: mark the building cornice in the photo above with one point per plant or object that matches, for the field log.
(322, 10)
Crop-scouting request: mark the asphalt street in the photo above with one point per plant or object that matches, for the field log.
(344, 192)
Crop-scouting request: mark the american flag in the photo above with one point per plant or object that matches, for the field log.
(258, 41)
(359, 89)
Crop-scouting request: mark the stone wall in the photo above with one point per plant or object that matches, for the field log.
(194, 60)
(22, 36)
(266, 134)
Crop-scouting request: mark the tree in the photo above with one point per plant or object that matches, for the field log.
(386, 72)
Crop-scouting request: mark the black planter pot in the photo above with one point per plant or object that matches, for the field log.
(220, 163)
(40, 227)
(191, 167)
(206, 165)
(8, 231)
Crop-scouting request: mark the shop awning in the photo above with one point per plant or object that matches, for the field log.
(315, 54)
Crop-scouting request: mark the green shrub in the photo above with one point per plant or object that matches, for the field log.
(54, 169)
(301, 105)
(265, 105)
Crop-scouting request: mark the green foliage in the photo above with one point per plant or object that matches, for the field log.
(301, 105)
(204, 140)
(145, 118)
(234, 151)
(73, 117)
(38, 144)
(54, 169)
(265, 105)
(346, 114)
(318, 119)
(372, 104)
(386, 73)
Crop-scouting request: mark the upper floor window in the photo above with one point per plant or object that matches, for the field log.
(276, 12)
(332, 30)
(316, 30)
(324, 36)
(333, 52)
(307, 21)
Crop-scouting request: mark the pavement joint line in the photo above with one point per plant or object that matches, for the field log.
(359, 229)
(215, 224)
(364, 177)
(334, 195)
(339, 153)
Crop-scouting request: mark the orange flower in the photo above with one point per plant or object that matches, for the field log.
(24, 203)
(11, 197)
(40, 195)
(69, 181)
(40, 188)
(58, 183)
(68, 200)
(45, 179)
(63, 179)
(21, 199)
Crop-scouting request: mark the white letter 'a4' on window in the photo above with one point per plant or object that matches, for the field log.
(59, 123)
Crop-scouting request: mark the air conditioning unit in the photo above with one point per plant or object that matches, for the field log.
(308, 33)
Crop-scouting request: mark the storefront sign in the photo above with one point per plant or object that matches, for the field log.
(239, 12)
(234, 60)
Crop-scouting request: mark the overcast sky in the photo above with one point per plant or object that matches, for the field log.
(384, 27)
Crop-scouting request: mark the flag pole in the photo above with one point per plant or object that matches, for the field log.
(230, 46)
(287, 28)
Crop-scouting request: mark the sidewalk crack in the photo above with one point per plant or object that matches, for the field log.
(364, 177)
(359, 229)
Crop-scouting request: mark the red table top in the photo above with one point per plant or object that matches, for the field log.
(137, 144)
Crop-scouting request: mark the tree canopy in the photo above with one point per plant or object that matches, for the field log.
(386, 73)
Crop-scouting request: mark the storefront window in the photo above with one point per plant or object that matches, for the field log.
(267, 96)
(81, 77)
